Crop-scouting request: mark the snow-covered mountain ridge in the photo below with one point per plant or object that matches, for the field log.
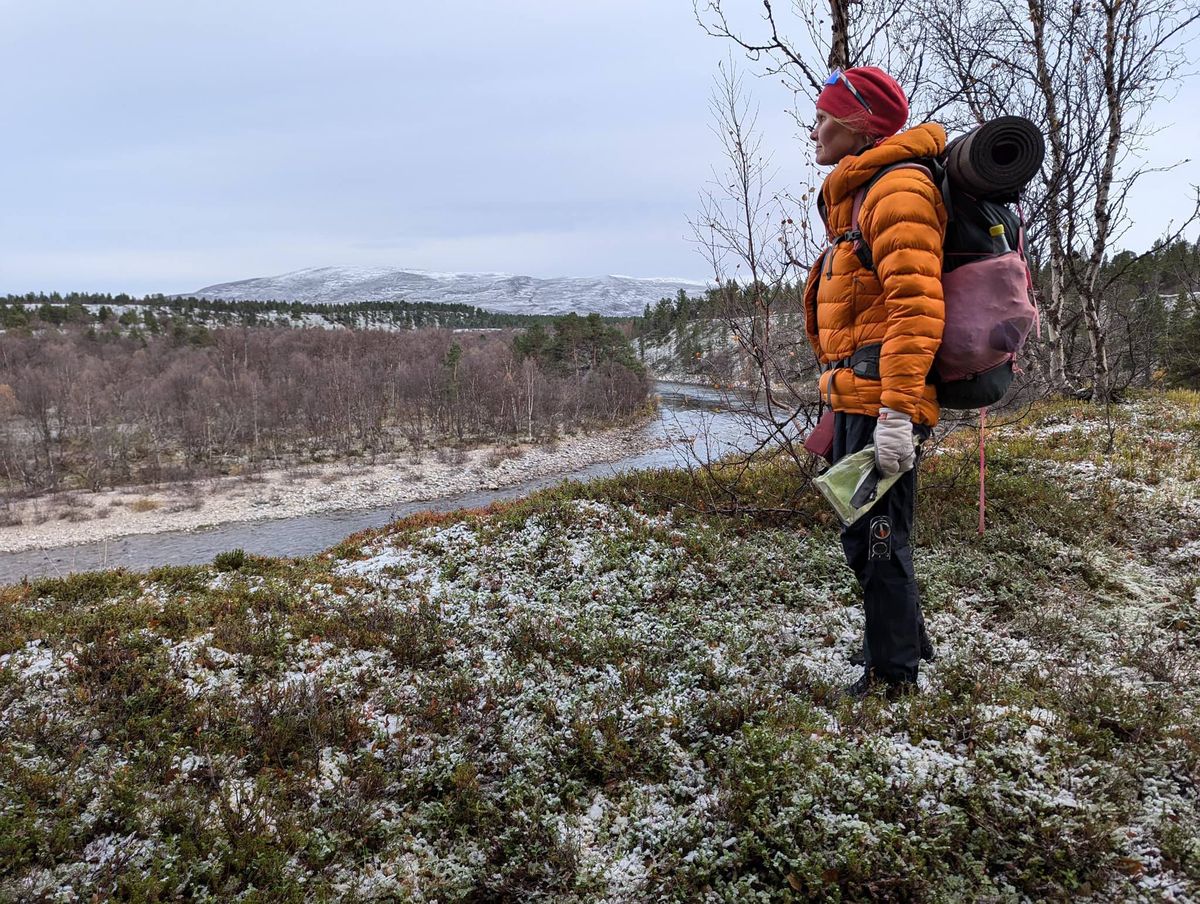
(609, 295)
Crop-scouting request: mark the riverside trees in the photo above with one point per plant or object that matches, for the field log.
(81, 409)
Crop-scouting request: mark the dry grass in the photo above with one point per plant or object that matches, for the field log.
(451, 455)
(500, 455)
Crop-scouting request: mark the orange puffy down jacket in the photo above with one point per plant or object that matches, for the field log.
(900, 304)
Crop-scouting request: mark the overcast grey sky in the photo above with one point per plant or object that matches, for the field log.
(163, 145)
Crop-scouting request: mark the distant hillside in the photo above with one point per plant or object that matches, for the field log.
(616, 296)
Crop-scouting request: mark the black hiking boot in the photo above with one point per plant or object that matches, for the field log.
(893, 688)
(855, 691)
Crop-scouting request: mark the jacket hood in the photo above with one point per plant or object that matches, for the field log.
(853, 170)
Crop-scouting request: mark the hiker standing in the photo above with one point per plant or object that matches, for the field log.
(874, 314)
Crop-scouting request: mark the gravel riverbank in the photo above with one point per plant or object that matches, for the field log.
(69, 519)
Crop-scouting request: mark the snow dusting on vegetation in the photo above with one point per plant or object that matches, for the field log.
(603, 694)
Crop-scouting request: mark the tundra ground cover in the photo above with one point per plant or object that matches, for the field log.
(601, 694)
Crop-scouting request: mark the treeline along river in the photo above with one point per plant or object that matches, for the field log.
(87, 409)
(693, 424)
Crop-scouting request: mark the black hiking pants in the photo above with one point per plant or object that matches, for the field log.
(878, 551)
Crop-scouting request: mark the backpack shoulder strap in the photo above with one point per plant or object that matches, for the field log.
(861, 247)
(861, 195)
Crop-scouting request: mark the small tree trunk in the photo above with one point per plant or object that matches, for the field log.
(839, 44)
(1100, 371)
(1054, 313)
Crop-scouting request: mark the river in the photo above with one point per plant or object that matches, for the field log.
(695, 420)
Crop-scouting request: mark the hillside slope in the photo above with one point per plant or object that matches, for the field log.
(618, 296)
(706, 350)
(593, 695)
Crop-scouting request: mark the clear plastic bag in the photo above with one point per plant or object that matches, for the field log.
(853, 485)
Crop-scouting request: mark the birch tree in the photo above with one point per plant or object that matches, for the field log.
(743, 233)
(802, 48)
(1091, 73)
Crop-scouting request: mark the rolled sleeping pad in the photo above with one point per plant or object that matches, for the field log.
(998, 158)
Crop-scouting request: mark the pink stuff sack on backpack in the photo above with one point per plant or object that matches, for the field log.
(988, 316)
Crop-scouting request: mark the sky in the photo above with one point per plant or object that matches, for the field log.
(165, 145)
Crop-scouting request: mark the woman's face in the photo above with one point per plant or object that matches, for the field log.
(833, 140)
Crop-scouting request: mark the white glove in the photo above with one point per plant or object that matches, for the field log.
(894, 447)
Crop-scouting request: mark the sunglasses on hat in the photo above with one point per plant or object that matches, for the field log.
(839, 76)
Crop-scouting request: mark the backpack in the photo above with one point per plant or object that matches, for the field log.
(987, 286)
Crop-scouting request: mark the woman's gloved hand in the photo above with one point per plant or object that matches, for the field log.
(894, 448)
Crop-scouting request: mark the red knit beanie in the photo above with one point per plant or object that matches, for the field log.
(889, 106)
